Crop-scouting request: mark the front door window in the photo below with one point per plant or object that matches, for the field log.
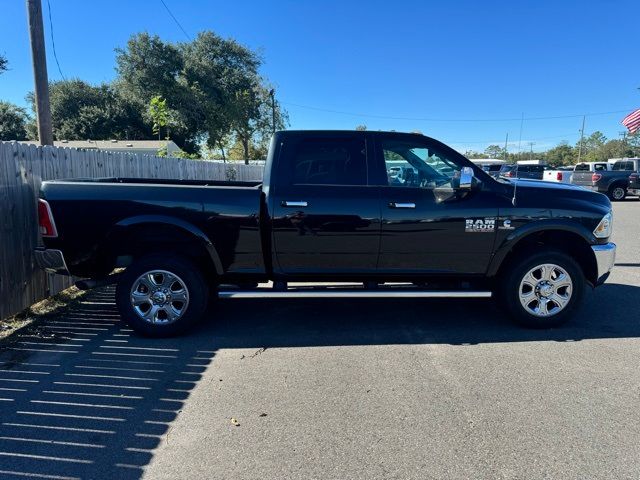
(411, 165)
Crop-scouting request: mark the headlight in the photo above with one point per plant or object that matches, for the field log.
(604, 228)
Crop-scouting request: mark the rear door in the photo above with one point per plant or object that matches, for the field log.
(325, 216)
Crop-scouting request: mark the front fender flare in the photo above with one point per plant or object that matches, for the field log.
(518, 235)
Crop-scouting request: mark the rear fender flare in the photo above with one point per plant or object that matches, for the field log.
(172, 221)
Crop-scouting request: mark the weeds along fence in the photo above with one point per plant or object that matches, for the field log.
(22, 169)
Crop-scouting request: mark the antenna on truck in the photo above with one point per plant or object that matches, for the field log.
(515, 187)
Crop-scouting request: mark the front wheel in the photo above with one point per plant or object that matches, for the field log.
(542, 290)
(161, 295)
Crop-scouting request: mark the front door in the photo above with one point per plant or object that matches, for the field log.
(429, 224)
(325, 217)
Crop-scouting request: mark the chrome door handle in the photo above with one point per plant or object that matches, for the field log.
(402, 205)
(286, 203)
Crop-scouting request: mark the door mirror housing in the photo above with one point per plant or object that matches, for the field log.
(466, 178)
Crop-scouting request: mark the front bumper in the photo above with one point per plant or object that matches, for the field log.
(605, 259)
(51, 260)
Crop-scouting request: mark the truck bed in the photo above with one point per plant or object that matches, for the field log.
(93, 214)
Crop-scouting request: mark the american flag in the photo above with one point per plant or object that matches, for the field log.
(632, 121)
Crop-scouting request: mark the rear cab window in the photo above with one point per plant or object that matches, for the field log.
(325, 161)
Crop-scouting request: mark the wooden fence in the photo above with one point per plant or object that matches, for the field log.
(22, 169)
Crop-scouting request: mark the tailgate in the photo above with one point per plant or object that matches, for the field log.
(582, 178)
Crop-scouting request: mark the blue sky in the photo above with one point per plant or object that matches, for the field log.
(403, 65)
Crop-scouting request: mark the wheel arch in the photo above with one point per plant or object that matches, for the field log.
(574, 240)
(130, 235)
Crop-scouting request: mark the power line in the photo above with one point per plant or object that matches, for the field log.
(53, 42)
(418, 119)
(175, 20)
(566, 135)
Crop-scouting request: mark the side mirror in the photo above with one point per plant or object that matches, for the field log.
(466, 178)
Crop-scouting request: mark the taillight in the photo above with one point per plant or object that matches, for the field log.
(559, 176)
(45, 220)
(511, 174)
(595, 177)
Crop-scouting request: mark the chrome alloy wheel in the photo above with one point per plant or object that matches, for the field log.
(545, 290)
(159, 297)
(618, 193)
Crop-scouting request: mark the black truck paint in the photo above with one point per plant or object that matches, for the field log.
(316, 220)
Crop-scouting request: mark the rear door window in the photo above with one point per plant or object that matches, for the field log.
(329, 161)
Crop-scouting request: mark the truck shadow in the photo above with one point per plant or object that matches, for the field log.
(265, 323)
(83, 397)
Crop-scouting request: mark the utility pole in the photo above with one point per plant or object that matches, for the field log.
(520, 137)
(624, 143)
(39, 58)
(531, 144)
(272, 93)
(506, 142)
(581, 138)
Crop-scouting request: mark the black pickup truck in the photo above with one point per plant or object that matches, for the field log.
(332, 207)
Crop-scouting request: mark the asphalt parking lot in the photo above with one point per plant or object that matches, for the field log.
(333, 389)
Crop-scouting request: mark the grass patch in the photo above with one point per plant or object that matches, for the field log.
(47, 308)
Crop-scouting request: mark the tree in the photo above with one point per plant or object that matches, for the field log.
(361, 128)
(13, 122)
(563, 154)
(148, 67)
(494, 151)
(3, 64)
(80, 111)
(159, 114)
(223, 74)
(633, 144)
(211, 86)
(592, 147)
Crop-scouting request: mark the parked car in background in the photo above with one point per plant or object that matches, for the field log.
(560, 175)
(490, 165)
(534, 172)
(593, 166)
(614, 183)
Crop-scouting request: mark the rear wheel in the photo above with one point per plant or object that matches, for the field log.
(161, 295)
(542, 290)
(617, 192)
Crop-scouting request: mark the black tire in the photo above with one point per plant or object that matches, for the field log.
(186, 273)
(617, 192)
(510, 288)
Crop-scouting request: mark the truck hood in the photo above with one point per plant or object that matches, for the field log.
(555, 194)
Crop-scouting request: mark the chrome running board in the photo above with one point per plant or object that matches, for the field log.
(341, 293)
